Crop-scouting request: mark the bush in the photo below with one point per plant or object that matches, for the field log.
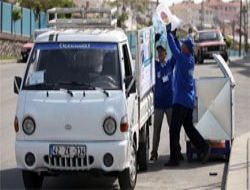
(228, 41)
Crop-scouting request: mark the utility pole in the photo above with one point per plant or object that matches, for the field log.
(246, 27)
(240, 27)
(202, 14)
(244, 11)
(233, 32)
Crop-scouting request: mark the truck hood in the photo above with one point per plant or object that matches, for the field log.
(60, 117)
(212, 43)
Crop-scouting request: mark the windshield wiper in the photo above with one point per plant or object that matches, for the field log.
(89, 86)
(68, 91)
(92, 87)
(102, 90)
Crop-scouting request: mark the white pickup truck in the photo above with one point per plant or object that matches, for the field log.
(83, 105)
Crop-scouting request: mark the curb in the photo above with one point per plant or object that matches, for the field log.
(238, 176)
(6, 61)
(235, 58)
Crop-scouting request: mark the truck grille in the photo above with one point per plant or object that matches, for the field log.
(62, 163)
(213, 48)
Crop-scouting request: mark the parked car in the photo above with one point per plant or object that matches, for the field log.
(209, 42)
(25, 51)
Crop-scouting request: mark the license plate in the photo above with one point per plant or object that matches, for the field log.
(69, 151)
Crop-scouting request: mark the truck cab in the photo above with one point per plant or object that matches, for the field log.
(78, 107)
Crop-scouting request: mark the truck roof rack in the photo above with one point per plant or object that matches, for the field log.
(82, 17)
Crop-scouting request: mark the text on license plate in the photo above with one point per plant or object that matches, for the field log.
(68, 150)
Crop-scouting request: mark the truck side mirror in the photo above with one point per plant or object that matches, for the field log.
(130, 84)
(17, 84)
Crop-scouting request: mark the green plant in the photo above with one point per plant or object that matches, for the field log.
(43, 5)
(16, 15)
(228, 41)
(141, 8)
(122, 19)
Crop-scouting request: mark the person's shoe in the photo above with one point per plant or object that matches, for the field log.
(206, 155)
(180, 157)
(171, 163)
(153, 158)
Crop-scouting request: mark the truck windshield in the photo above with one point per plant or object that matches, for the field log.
(74, 66)
(209, 36)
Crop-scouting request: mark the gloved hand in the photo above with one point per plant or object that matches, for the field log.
(168, 27)
(157, 37)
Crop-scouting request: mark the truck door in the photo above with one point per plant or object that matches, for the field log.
(130, 87)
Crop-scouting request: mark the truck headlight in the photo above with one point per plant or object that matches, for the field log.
(109, 126)
(29, 126)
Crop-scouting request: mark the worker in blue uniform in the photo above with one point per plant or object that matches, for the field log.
(183, 100)
(163, 94)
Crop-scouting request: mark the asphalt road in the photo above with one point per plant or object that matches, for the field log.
(187, 176)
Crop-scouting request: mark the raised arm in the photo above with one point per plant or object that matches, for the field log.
(178, 45)
(172, 62)
(175, 49)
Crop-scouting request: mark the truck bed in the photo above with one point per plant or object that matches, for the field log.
(146, 108)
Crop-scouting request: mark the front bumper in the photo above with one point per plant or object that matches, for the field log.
(94, 158)
(209, 54)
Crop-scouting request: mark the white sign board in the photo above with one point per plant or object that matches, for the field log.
(36, 78)
(146, 60)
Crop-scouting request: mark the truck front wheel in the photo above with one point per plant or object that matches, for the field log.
(127, 178)
(32, 180)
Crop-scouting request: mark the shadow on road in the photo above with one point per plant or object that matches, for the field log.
(209, 186)
(243, 64)
(12, 179)
(184, 165)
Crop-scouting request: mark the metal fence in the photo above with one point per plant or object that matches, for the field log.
(22, 27)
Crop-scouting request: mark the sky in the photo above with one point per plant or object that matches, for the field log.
(170, 2)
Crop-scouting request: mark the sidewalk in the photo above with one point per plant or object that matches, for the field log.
(239, 58)
(238, 176)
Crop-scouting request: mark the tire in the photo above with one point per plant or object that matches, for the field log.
(225, 57)
(32, 180)
(127, 178)
(227, 157)
(199, 59)
(143, 152)
(24, 58)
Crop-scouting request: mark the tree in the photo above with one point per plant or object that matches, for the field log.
(122, 19)
(16, 15)
(139, 9)
(43, 5)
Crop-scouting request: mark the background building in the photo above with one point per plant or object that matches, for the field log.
(211, 13)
